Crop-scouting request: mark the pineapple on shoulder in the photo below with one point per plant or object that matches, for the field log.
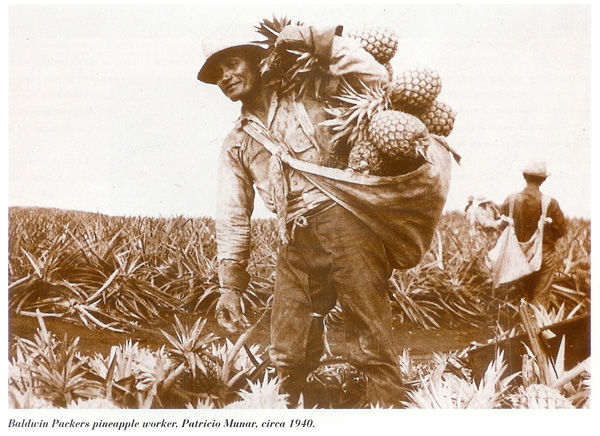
(415, 90)
(377, 139)
(399, 135)
(439, 118)
(381, 42)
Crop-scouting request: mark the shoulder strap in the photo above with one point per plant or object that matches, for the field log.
(262, 138)
(545, 203)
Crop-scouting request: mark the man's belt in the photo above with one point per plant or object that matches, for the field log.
(321, 207)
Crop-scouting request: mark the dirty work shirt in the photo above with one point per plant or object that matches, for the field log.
(527, 210)
(244, 163)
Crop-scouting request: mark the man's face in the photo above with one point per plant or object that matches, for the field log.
(236, 77)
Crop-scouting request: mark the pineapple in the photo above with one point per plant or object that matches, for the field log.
(350, 121)
(539, 396)
(439, 118)
(399, 135)
(380, 42)
(365, 158)
(415, 90)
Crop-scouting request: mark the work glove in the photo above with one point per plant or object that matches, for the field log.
(230, 311)
(308, 38)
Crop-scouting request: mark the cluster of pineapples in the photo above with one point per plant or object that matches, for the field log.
(381, 130)
(386, 130)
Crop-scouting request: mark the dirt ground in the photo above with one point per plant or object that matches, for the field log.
(422, 343)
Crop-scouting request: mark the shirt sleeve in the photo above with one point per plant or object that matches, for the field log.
(505, 207)
(235, 204)
(349, 59)
(558, 227)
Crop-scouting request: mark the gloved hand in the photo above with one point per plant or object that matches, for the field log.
(230, 312)
(308, 38)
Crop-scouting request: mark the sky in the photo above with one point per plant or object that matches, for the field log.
(106, 114)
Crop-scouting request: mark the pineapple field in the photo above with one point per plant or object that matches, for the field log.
(118, 312)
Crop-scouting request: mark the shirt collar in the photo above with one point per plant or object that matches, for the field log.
(531, 190)
(246, 116)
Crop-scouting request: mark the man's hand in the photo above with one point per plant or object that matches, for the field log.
(307, 38)
(294, 37)
(230, 312)
(508, 220)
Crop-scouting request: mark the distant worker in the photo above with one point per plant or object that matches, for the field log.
(531, 210)
(482, 214)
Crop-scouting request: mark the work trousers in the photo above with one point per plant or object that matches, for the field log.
(335, 257)
(536, 287)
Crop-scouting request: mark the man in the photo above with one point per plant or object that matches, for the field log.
(331, 255)
(482, 214)
(527, 208)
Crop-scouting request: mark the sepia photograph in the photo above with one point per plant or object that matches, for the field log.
(298, 217)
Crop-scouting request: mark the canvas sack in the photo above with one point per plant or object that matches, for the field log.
(403, 211)
(510, 259)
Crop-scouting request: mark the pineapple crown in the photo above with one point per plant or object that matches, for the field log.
(270, 29)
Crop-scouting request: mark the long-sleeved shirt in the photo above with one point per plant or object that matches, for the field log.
(244, 162)
(527, 210)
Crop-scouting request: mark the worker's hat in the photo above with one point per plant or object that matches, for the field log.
(536, 168)
(218, 46)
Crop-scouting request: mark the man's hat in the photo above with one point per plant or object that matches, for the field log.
(217, 47)
(536, 168)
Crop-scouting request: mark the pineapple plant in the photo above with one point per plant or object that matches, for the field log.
(190, 352)
(262, 395)
(399, 135)
(539, 396)
(415, 90)
(189, 348)
(380, 42)
(439, 118)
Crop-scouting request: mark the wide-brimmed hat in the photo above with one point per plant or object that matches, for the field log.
(216, 47)
(536, 168)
